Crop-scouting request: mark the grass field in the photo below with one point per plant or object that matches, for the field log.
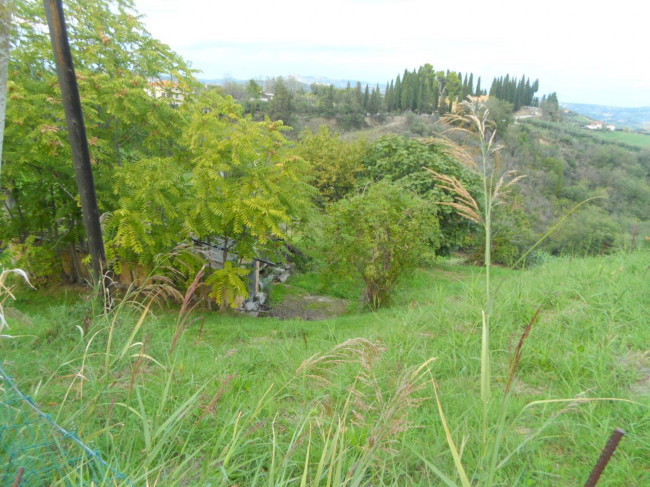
(244, 401)
(630, 138)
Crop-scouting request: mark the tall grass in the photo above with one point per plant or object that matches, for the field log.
(473, 118)
(245, 402)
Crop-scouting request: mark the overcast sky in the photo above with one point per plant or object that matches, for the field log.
(587, 51)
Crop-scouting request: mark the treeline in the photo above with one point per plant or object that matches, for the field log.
(519, 92)
(426, 91)
(423, 90)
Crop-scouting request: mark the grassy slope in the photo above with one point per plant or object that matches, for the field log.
(591, 340)
(629, 138)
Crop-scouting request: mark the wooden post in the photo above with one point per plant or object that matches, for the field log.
(78, 140)
(5, 34)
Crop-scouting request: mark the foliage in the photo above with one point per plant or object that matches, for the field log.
(40, 260)
(336, 164)
(246, 187)
(500, 112)
(377, 236)
(403, 160)
(590, 231)
(115, 59)
(512, 235)
(565, 166)
(148, 220)
(280, 107)
(518, 93)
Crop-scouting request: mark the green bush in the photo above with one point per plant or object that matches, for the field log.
(378, 236)
(402, 160)
(589, 232)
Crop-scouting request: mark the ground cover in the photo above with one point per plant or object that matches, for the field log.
(263, 401)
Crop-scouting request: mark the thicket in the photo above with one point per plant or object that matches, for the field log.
(423, 90)
(172, 161)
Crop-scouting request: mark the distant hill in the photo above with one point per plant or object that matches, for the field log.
(304, 81)
(634, 118)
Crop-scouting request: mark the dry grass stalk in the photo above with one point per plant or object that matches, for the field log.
(353, 350)
(454, 150)
(5, 293)
(465, 204)
(516, 358)
(218, 395)
(384, 414)
(183, 321)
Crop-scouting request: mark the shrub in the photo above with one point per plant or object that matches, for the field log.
(402, 160)
(591, 231)
(378, 236)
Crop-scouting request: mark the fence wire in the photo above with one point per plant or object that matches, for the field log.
(35, 451)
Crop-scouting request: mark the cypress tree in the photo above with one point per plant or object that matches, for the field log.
(366, 99)
(397, 94)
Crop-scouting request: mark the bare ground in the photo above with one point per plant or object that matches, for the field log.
(309, 307)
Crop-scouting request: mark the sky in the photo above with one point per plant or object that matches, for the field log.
(587, 51)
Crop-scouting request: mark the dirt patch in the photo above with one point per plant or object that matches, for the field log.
(641, 362)
(309, 308)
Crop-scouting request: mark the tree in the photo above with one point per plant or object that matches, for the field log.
(326, 106)
(280, 107)
(551, 108)
(116, 61)
(5, 35)
(366, 98)
(378, 237)
(254, 92)
(335, 163)
(500, 112)
(374, 105)
(402, 160)
(246, 188)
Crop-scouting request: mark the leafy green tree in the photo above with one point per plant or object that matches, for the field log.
(402, 161)
(351, 114)
(590, 231)
(366, 98)
(151, 194)
(280, 107)
(246, 187)
(374, 105)
(551, 108)
(336, 164)
(500, 112)
(254, 92)
(326, 107)
(119, 67)
(378, 236)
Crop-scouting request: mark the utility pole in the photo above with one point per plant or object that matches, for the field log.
(78, 140)
(5, 34)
